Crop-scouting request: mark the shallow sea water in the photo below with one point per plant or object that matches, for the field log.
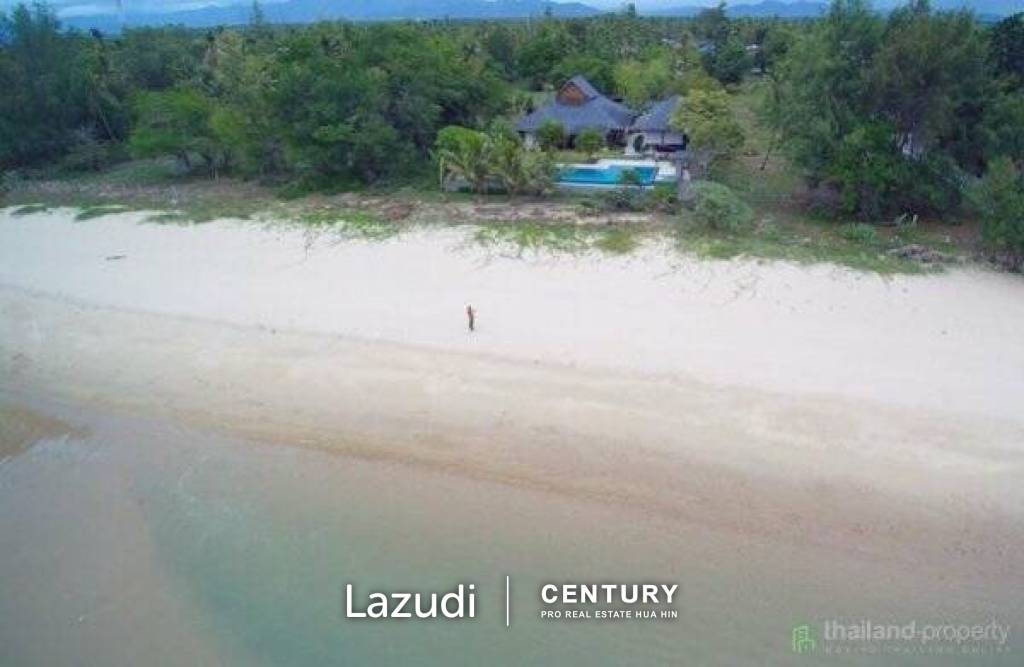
(137, 541)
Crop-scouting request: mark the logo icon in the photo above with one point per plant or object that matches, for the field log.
(803, 639)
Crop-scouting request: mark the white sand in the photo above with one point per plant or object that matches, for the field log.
(950, 342)
(813, 404)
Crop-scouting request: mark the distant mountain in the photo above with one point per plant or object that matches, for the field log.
(984, 9)
(979, 7)
(768, 8)
(307, 11)
(798, 9)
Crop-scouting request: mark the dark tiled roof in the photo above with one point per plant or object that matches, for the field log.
(657, 117)
(597, 112)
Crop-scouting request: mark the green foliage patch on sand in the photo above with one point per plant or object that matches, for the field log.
(617, 240)
(521, 237)
(29, 209)
(351, 223)
(525, 236)
(803, 243)
(91, 212)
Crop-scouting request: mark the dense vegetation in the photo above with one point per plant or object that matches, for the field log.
(915, 112)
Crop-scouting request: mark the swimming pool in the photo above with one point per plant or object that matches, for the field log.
(604, 174)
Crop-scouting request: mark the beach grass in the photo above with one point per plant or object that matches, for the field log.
(803, 243)
(521, 237)
(617, 240)
(30, 209)
(351, 223)
(91, 212)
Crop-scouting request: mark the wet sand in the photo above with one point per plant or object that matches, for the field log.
(849, 426)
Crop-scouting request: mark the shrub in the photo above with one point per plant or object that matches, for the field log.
(999, 199)
(876, 180)
(7, 182)
(551, 135)
(859, 233)
(590, 141)
(622, 199)
(717, 207)
(88, 154)
(662, 198)
(706, 116)
(659, 199)
(631, 178)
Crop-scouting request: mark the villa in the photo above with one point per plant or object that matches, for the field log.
(579, 106)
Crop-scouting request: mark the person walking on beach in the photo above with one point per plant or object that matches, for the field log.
(471, 316)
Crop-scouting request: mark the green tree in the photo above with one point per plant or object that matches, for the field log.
(520, 171)
(590, 141)
(868, 168)
(824, 85)
(730, 61)
(500, 45)
(177, 122)
(999, 198)
(49, 96)
(706, 116)
(597, 70)
(1004, 127)
(541, 52)
(464, 153)
(712, 24)
(551, 135)
(640, 81)
(157, 58)
(928, 80)
(1006, 48)
(886, 111)
(778, 38)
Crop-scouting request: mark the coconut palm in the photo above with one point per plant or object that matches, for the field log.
(506, 158)
(465, 153)
(520, 170)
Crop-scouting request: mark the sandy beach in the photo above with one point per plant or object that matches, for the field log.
(876, 421)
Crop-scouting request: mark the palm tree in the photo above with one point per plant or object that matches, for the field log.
(519, 169)
(507, 162)
(464, 153)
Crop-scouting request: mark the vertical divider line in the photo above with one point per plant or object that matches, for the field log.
(508, 602)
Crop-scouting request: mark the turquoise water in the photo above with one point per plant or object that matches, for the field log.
(147, 543)
(604, 174)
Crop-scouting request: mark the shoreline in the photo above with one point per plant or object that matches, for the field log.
(247, 411)
(200, 519)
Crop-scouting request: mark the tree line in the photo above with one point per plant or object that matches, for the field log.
(914, 111)
(325, 101)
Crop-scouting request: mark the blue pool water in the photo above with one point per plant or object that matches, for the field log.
(604, 174)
